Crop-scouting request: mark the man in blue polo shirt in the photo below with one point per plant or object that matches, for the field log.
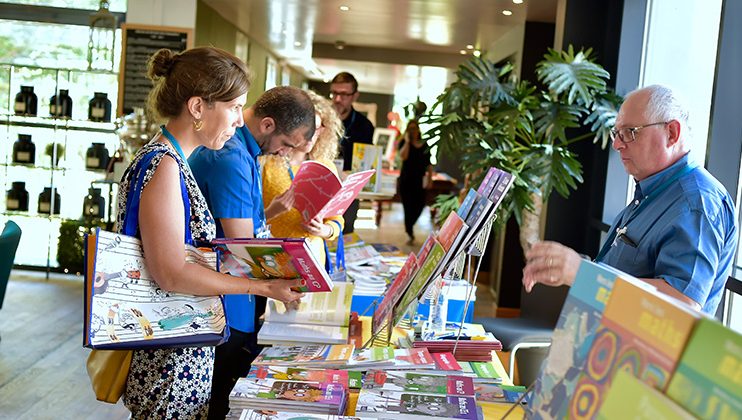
(280, 120)
(679, 233)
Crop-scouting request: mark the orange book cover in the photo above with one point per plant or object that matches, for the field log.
(642, 332)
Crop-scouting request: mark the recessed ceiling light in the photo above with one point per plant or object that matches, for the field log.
(297, 44)
(344, 8)
(469, 47)
(476, 53)
(462, 52)
(507, 12)
(517, 1)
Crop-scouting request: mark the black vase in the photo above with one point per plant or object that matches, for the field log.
(99, 108)
(97, 156)
(16, 199)
(26, 102)
(94, 205)
(24, 151)
(61, 105)
(45, 201)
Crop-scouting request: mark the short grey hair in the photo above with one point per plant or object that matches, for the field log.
(665, 104)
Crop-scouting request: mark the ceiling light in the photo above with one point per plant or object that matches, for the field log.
(507, 12)
(462, 52)
(339, 45)
(477, 53)
(469, 47)
(297, 44)
(517, 1)
(344, 8)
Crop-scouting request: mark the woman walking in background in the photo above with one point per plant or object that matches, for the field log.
(415, 176)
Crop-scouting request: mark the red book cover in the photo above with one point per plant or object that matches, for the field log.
(394, 293)
(446, 361)
(274, 258)
(450, 230)
(319, 192)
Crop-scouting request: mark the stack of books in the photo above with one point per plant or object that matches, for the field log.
(302, 397)
(321, 318)
(390, 358)
(417, 396)
(319, 356)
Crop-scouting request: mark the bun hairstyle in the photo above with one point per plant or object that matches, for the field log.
(207, 72)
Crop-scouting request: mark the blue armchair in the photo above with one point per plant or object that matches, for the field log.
(8, 245)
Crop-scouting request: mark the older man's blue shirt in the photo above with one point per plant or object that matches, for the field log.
(230, 181)
(686, 235)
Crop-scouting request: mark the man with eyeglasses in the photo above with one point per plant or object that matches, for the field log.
(358, 129)
(679, 233)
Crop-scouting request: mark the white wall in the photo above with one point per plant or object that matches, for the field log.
(178, 13)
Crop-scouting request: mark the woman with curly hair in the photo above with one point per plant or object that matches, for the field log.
(278, 172)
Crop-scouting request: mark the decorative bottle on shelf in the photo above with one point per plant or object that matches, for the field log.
(45, 201)
(94, 205)
(99, 108)
(24, 151)
(16, 198)
(26, 102)
(61, 105)
(97, 156)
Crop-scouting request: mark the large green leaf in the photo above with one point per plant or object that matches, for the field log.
(574, 74)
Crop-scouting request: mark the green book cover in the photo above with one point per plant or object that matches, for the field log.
(630, 398)
(708, 380)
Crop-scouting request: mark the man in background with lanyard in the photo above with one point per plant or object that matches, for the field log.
(230, 179)
(679, 233)
(358, 129)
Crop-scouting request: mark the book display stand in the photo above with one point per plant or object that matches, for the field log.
(464, 260)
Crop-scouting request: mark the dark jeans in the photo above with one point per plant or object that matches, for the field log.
(413, 201)
(232, 361)
(349, 217)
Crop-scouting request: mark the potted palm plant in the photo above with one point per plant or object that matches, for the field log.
(487, 118)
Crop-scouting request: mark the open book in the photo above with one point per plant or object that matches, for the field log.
(321, 318)
(319, 192)
(274, 258)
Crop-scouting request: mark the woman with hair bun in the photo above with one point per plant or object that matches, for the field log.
(199, 93)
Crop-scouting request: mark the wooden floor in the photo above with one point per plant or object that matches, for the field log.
(42, 361)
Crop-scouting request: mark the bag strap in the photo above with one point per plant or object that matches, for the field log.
(131, 221)
(339, 253)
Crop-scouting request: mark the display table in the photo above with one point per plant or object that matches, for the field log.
(490, 410)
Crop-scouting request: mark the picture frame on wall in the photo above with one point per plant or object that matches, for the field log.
(271, 73)
(386, 139)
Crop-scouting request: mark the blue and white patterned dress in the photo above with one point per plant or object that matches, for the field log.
(169, 383)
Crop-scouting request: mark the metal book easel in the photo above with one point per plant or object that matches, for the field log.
(453, 270)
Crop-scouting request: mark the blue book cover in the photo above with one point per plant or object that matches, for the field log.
(572, 339)
(467, 204)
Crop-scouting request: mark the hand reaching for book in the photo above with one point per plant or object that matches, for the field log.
(550, 263)
(281, 204)
(283, 290)
(317, 227)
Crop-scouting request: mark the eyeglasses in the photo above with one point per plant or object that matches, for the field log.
(333, 94)
(628, 134)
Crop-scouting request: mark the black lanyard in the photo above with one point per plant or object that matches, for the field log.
(620, 231)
